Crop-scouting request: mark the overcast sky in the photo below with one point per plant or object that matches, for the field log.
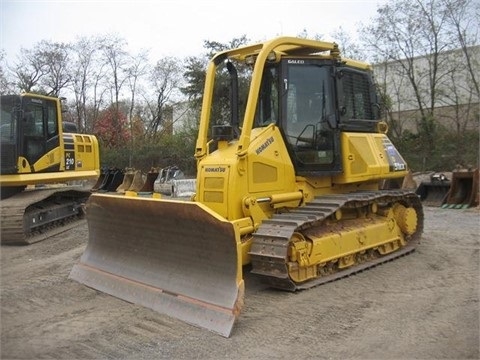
(174, 27)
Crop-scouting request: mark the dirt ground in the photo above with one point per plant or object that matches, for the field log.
(421, 306)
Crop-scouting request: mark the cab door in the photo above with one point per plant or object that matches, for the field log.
(310, 118)
(40, 128)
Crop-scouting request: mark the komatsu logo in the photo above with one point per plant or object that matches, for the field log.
(215, 169)
(264, 145)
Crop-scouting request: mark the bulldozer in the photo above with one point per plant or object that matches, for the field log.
(41, 156)
(291, 152)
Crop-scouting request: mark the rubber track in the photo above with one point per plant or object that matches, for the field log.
(270, 243)
(15, 231)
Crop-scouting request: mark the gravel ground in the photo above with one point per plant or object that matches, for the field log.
(421, 306)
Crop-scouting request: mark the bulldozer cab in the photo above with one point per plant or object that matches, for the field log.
(312, 101)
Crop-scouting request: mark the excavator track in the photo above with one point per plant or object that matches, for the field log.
(269, 251)
(37, 214)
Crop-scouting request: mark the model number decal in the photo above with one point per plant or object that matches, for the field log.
(398, 166)
(395, 160)
(69, 160)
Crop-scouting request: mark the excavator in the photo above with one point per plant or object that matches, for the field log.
(40, 156)
(290, 155)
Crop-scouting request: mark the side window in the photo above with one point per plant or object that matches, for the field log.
(35, 130)
(7, 121)
(292, 104)
(267, 106)
(34, 120)
(52, 121)
(356, 96)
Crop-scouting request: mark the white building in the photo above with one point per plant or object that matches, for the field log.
(456, 99)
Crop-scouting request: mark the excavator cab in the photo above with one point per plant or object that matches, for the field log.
(30, 128)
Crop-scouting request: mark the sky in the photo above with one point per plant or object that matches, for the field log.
(174, 27)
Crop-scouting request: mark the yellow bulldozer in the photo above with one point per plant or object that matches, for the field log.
(40, 156)
(290, 155)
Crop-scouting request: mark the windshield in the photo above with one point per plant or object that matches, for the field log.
(308, 102)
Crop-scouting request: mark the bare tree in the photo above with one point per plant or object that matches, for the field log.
(459, 109)
(87, 75)
(115, 57)
(165, 79)
(411, 38)
(392, 95)
(349, 47)
(462, 16)
(28, 70)
(55, 59)
(44, 68)
(138, 68)
(6, 86)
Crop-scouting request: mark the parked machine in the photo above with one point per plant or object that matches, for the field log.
(288, 180)
(464, 190)
(435, 191)
(36, 151)
(164, 182)
(457, 190)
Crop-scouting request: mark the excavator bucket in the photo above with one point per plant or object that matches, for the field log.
(108, 180)
(464, 191)
(434, 192)
(176, 257)
(102, 179)
(137, 182)
(127, 181)
(149, 181)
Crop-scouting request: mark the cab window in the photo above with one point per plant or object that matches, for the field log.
(52, 121)
(309, 104)
(33, 120)
(356, 96)
(267, 105)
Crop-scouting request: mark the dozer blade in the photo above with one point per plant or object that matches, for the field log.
(176, 257)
